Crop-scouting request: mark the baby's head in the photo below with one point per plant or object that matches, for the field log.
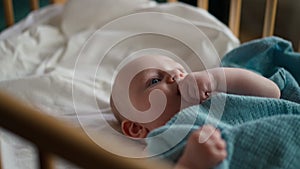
(145, 94)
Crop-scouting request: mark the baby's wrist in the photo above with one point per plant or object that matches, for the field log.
(213, 82)
(218, 82)
(183, 162)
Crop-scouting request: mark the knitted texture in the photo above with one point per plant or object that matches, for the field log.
(259, 132)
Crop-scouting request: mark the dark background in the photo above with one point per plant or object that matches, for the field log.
(22, 8)
(287, 23)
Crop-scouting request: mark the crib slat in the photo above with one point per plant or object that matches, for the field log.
(58, 1)
(34, 4)
(235, 16)
(53, 136)
(45, 159)
(203, 4)
(172, 0)
(0, 156)
(269, 22)
(9, 12)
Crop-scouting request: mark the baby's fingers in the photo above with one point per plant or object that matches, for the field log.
(221, 144)
(206, 132)
(220, 155)
(217, 139)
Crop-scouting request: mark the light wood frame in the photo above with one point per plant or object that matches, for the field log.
(65, 141)
(235, 15)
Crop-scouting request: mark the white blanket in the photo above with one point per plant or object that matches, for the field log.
(38, 58)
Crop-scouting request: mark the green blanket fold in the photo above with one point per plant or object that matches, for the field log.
(260, 132)
(254, 139)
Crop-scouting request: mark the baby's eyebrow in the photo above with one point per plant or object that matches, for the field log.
(142, 80)
(143, 75)
(147, 74)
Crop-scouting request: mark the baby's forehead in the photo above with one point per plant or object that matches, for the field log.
(142, 75)
(147, 58)
(151, 61)
(145, 63)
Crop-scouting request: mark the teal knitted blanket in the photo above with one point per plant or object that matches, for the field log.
(259, 132)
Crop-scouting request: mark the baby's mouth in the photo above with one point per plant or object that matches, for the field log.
(178, 91)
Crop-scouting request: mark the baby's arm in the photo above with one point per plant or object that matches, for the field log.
(205, 149)
(244, 82)
(197, 86)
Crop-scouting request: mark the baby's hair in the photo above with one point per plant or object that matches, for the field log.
(113, 108)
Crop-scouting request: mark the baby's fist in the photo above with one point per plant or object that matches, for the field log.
(196, 87)
(205, 149)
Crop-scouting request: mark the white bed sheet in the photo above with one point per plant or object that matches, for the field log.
(38, 55)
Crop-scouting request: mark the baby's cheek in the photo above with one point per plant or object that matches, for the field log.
(172, 107)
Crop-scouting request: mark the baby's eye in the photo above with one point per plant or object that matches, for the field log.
(154, 81)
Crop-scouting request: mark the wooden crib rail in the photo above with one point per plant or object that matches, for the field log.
(269, 21)
(0, 156)
(200, 3)
(203, 4)
(235, 15)
(9, 10)
(34, 4)
(54, 137)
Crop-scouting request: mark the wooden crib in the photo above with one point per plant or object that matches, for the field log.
(54, 138)
(234, 16)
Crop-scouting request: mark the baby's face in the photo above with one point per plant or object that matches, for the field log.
(162, 76)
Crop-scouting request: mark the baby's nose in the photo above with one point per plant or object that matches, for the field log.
(175, 75)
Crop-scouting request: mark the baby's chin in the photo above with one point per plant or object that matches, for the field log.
(184, 104)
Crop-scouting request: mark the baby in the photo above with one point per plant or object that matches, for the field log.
(150, 90)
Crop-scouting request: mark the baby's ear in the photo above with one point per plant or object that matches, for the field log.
(133, 129)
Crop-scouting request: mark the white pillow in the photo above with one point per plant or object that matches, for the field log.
(79, 15)
(89, 63)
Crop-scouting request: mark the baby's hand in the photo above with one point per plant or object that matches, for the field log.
(207, 154)
(196, 87)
